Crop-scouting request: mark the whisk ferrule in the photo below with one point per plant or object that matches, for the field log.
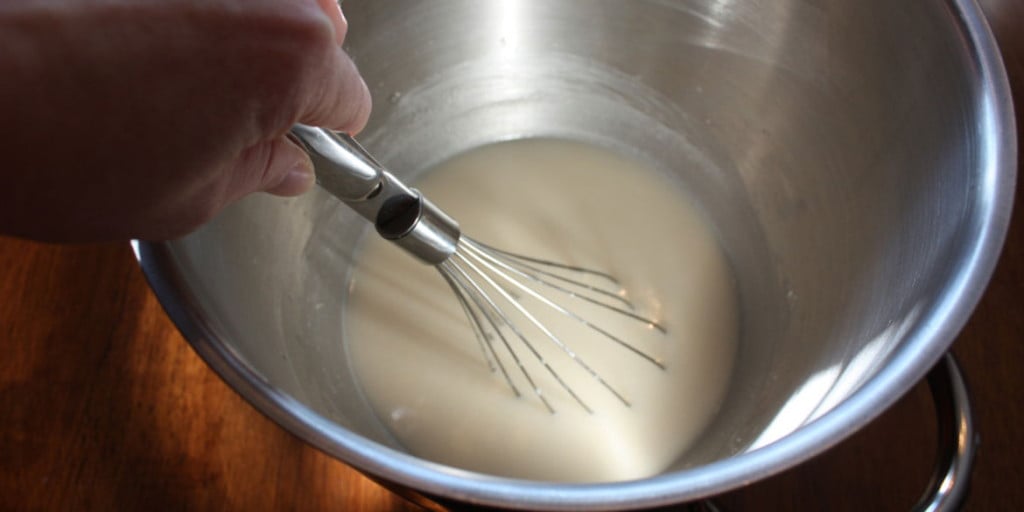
(418, 226)
(400, 214)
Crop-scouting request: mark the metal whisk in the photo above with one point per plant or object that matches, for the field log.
(496, 289)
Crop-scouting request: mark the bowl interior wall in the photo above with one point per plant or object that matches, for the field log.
(832, 145)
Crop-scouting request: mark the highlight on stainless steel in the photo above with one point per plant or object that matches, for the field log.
(957, 439)
(493, 286)
(346, 169)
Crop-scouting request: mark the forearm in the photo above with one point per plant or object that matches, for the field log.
(168, 89)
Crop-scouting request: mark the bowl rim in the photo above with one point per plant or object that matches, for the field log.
(925, 344)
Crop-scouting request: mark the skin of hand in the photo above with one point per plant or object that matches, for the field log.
(144, 118)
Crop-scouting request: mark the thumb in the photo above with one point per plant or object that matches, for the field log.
(279, 167)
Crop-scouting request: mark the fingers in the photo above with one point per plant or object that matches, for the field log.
(335, 94)
(279, 167)
(341, 100)
(333, 11)
(289, 171)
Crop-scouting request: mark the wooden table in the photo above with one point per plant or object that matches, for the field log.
(103, 406)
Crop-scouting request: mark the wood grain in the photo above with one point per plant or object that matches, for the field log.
(103, 406)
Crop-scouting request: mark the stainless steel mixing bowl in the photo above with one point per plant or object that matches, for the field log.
(855, 158)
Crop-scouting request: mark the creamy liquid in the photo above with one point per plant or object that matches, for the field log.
(422, 368)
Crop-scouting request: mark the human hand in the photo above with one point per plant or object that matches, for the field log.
(143, 119)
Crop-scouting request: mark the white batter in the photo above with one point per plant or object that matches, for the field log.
(421, 366)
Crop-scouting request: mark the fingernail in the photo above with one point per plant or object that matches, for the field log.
(297, 180)
(341, 30)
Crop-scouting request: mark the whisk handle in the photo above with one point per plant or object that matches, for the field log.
(342, 166)
(400, 214)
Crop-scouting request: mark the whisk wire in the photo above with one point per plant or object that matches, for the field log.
(515, 263)
(493, 264)
(474, 259)
(524, 263)
(548, 263)
(484, 339)
(479, 298)
(512, 326)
